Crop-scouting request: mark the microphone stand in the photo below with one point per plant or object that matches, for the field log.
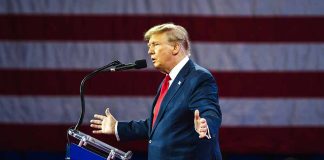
(82, 85)
(138, 64)
(78, 151)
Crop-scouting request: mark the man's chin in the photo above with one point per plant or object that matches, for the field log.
(160, 69)
(155, 65)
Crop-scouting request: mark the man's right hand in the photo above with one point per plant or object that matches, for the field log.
(104, 124)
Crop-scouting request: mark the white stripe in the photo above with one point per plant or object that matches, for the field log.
(173, 7)
(236, 112)
(214, 56)
(273, 112)
(260, 57)
(67, 55)
(42, 109)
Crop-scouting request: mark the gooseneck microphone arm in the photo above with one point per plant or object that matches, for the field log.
(111, 67)
(82, 85)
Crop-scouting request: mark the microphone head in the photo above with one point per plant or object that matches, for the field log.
(140, 64)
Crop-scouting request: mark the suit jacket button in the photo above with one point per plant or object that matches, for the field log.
(150, 141)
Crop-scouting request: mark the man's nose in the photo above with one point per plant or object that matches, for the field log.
(150, 51)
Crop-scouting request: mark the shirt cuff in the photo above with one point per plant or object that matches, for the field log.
(116, 132)
(208, 133)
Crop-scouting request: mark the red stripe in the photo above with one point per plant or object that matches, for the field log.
(128, 27)
(145, 83)
(28, 137)
(287, 140)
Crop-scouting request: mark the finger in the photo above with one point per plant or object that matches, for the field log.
(202, 136)
(203, 126)
(203, 130)
(97, 131)
(101, 117)
(96, 121)
(95, 126)
(107, 112)
(197, 114)
(202, 120)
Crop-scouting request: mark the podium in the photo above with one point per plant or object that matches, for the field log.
(90, 148)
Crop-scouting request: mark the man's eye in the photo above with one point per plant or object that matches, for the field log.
(153, 44)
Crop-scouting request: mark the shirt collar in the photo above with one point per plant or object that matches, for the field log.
(174, 72)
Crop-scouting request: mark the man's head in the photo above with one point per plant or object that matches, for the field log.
(167, 44)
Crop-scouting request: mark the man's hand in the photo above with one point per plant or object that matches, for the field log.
(201, 126)
(104, 124)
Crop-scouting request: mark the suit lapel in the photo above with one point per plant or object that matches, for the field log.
(176, 84)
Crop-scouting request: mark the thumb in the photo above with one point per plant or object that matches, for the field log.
(107, 112)
(197, 115)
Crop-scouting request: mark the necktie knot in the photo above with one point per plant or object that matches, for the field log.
(167, 78)
(165, 85)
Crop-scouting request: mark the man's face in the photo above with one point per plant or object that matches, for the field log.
(160, 51)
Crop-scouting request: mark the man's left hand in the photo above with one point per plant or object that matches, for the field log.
(201, 126)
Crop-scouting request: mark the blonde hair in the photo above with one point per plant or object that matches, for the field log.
(174, 32)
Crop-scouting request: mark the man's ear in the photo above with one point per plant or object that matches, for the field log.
(176, 48)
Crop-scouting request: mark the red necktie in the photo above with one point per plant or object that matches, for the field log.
(163, 91)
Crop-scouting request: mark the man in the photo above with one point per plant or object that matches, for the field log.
(185, 117)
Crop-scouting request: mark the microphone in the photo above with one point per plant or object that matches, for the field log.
(138, 65)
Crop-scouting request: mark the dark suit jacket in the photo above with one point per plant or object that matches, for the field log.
(173, 135)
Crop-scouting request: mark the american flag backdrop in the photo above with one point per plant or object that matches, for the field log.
(266, 55)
